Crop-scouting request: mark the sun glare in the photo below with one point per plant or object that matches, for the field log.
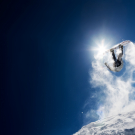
(101, 48)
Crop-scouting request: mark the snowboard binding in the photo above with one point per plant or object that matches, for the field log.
(112, 50)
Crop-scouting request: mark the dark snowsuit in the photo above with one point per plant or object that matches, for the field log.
(118, 63)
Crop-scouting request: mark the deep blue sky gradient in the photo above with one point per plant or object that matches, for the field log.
(45, 60)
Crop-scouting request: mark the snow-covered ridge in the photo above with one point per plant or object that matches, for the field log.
(121, 124)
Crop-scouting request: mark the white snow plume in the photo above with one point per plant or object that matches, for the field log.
(118, 97)
(118, 90)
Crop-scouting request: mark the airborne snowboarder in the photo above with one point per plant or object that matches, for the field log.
(117, 63)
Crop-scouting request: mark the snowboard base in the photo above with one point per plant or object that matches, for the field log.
(124, 43)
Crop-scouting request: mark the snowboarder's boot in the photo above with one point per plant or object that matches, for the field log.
(121, 46)
(112, 50)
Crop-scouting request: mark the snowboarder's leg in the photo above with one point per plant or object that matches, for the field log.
(113, 55)
(121, 53)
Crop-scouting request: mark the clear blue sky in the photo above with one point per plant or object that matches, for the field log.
(46, 60)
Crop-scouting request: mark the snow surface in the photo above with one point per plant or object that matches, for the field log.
(121, 124)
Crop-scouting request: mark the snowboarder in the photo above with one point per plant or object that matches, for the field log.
(117, 63)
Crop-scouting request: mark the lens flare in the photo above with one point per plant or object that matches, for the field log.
(100, 49)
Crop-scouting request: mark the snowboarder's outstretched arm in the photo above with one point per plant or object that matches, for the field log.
(109, 67)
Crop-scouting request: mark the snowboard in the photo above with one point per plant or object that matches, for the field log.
(124, 43)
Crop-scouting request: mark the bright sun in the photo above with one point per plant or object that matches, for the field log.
(101, 48)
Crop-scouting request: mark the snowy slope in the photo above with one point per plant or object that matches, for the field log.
(121, 124)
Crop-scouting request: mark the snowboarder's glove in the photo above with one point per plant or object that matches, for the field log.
(105, 63)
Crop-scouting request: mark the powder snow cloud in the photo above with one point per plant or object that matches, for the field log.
(118, 90)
